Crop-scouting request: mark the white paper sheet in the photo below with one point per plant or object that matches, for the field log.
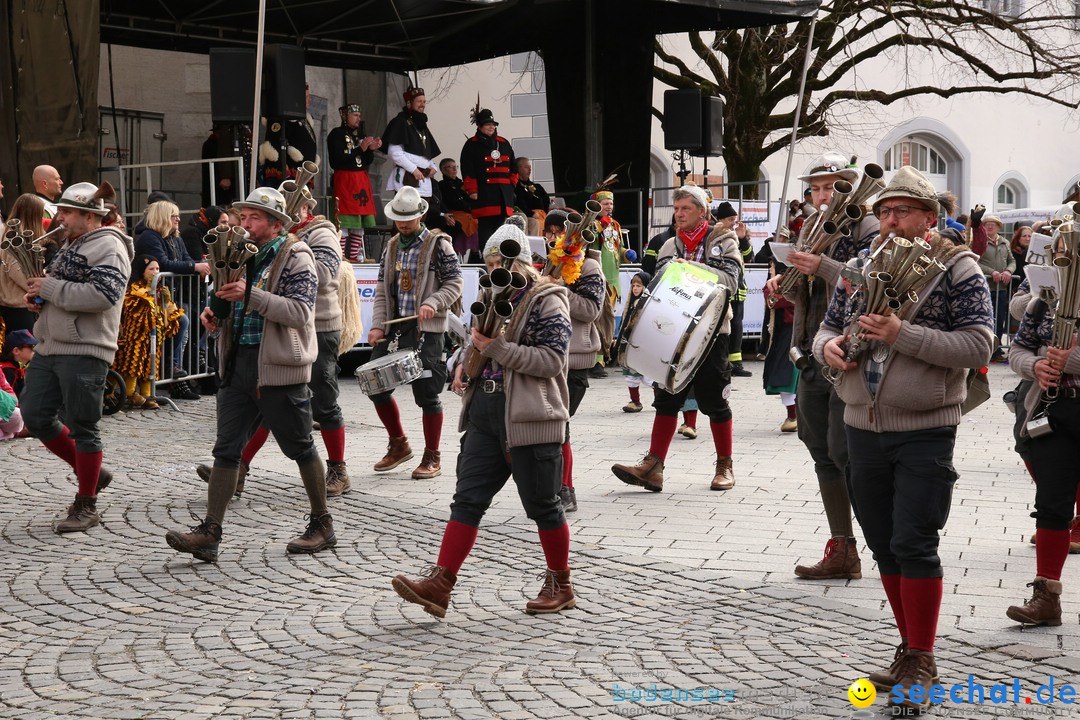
(780, 251)
(1041, 276)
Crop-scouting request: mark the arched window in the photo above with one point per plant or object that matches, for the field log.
(922, 157)
(1006, 197)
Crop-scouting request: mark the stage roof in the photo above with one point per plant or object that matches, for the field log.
(403, 35)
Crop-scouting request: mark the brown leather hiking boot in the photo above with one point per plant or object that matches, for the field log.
(203, 471)
(82, 515)
(916, 667)
(337, 478)
(841, 560)
(724, 479)
(555, 594)
(319, 535)
(430, 466)
(884, 681)
(397, 452)
(201, 541)
(1044, 607)
(432, 590)
(649, 473)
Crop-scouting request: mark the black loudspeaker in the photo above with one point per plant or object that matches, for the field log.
(284, 82)
(712, 124)
(232, 85)
(682, 120)
(693, 122)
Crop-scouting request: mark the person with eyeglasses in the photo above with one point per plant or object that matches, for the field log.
(902, 404)
(818, 409)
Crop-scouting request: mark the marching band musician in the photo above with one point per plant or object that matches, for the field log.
(819, 409)
(268, 345)
(1051, 457)
(84, 289)
(489, 172)
(419, 280)
(587, 293)
(900, 442)
(695, 242)
(609, 245)
(351, 154)
(321, 236)
(514, 417)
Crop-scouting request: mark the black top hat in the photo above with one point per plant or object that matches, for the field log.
(484, 117)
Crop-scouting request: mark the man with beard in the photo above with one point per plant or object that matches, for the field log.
(411, 146)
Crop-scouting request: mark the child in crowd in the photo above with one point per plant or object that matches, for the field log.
(142, 313)
(688, 429)
(634, 380)
(18, 351)
(10, 418)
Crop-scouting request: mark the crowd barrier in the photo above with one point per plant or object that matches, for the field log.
(190, 293)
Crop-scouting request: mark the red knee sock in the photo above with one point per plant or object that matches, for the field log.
(1051, 549)
(690, 418)
(391, 418)
(1077, 512)
(1027, 465)
(791, 411)
(567, 465)
(432, 430)
(457, 543)
(891, 583)
(556, 544)
(87, 470)
(721, 437)
(663, 430)
(254, 444)
(334, 440)
(63, 447)
(922, 604)
(635, 395)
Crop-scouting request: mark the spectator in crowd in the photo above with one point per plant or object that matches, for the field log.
(161, 240)
(456, 201)
(225, 140)
(488, 173)
(728, 219)
(47, 185)
(28, 210)
(18, 351)
(998, 264)
(351, 153)
(652, 250)
(84, 289)
(143, 314)
(779, 374)
(11, 423)
(1019, 246)
(531, 197)
(634, 379)
(200, 224)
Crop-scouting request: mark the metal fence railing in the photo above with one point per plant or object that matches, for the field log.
(189, 350)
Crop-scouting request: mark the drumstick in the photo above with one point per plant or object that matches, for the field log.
(401, 319)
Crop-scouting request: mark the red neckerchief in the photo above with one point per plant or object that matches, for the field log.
(302, 225)
(605, 220)
(694, 237)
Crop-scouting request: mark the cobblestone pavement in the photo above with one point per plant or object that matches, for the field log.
(687, 589)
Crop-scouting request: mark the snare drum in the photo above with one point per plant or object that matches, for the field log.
(389, 372)
(674, 325)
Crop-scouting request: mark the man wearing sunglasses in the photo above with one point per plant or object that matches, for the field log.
(902, 407)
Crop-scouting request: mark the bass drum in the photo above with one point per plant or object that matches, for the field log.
(673, 327)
